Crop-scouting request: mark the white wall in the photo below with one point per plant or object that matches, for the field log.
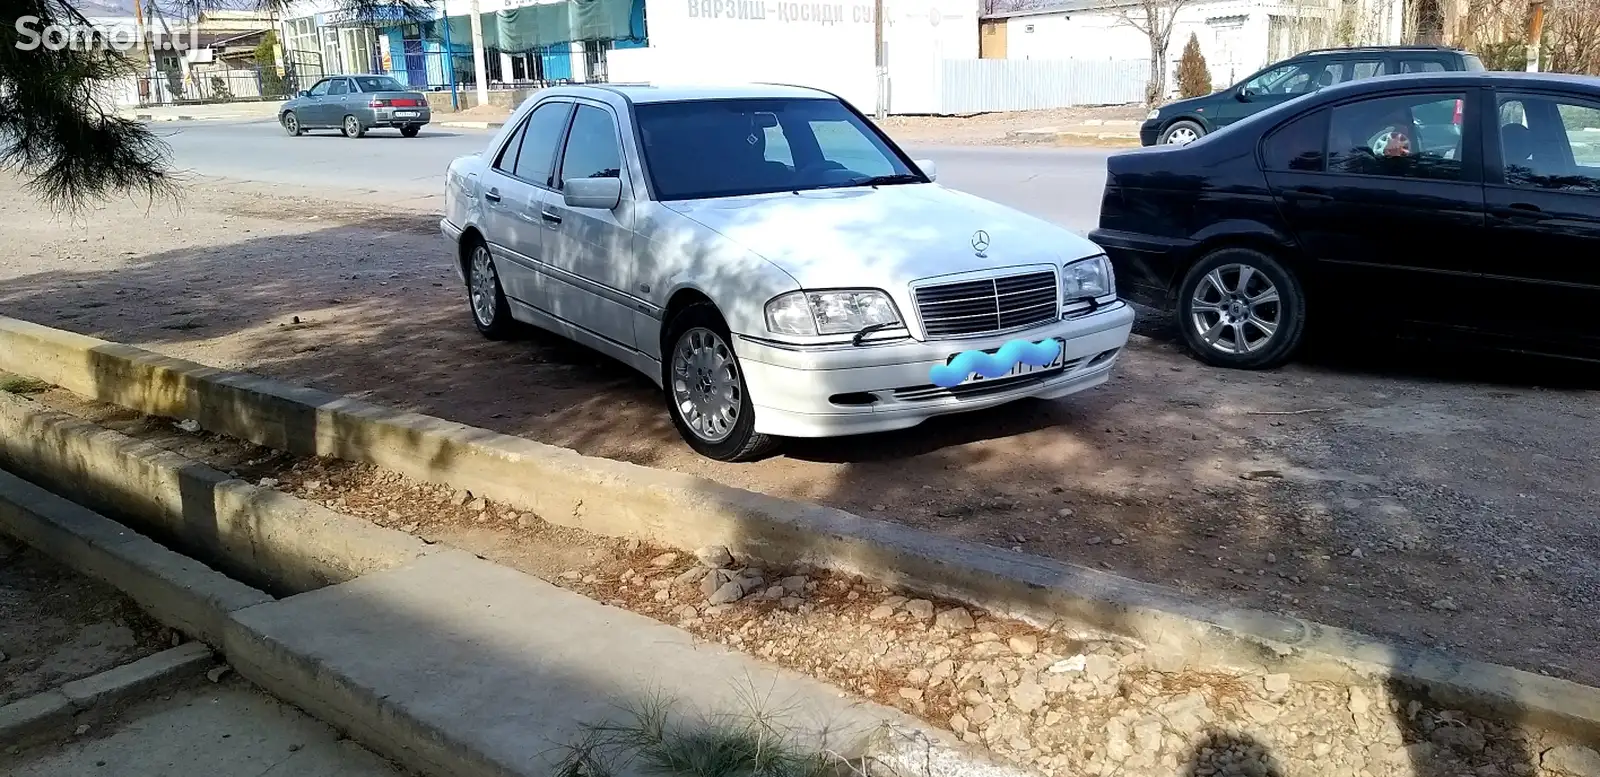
(918, 36)
(825, 45)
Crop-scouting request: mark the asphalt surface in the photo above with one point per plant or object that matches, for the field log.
(1062, 185)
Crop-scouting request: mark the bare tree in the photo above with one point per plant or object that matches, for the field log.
(996, 7)
(1155, 19)
(1572, 37)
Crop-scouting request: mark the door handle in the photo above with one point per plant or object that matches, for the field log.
(550, 218)
(493, 195)
(1307, 195)
(1520, 210)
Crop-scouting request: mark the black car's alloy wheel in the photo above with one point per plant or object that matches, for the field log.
(1181, 133)
(1240, 308)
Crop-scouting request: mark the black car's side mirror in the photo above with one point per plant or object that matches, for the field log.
(1244, 95)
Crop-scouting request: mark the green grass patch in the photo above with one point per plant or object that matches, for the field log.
(21, 384)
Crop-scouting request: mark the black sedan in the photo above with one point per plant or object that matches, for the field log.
(1462, 204)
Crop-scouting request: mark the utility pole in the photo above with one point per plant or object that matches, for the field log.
(480, 69)
(449, 56)
(144, 45)
(1535, 32)
(882, 70)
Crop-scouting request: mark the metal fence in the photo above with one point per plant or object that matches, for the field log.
(216, 83)
(982, 85)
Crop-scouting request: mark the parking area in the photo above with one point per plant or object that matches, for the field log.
(1447, 501)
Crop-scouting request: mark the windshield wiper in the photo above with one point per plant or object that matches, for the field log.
(870, 328)
(888, 180)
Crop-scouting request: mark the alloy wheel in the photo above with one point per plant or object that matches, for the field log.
(706, 387)
(483, 283)
(1235, 309)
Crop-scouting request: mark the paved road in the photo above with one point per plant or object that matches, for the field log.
(1062, 185)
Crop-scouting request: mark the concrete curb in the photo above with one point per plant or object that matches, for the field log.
(52, 714)
(472, 124)
(618, 499)
(264, 537)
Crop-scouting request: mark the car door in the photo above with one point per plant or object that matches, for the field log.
(1543, 200)
(592, 271)
(331, 109)
(1394, 231)
(311, 112)
(514, 192)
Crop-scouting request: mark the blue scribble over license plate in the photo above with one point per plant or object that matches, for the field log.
(1022, 368)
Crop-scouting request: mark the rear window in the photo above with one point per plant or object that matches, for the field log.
(1472, 64)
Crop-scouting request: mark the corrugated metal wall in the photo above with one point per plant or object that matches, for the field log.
(979, 85)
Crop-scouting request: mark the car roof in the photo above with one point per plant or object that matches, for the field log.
(1380, 50)
(1499, 79)
(661, 93)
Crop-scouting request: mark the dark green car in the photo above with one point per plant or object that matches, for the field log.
(1186, 121)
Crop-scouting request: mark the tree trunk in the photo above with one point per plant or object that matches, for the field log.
(1156, 90)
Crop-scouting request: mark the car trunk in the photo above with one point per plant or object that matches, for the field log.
(397, 100)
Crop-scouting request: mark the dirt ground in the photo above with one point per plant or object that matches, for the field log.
(57, 626)
(1441, 500)
(996, 128)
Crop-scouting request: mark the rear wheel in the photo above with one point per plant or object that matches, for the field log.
(490, 312)
(410, 130)
(291, 124)
(1182, 133)
(1242, 309)
(705, 388)
(353, 128)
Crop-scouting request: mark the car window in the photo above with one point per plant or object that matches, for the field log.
(378, 84)
(338, 86)
(761, 145)
(1471, 63)
(1298, 145)
(1409, 136)
(1550, 143)
(507, 161)
(1277, 80)
(320, 89)
(1422, 66)
(537, 156)
(1366, 68)
(592, 147)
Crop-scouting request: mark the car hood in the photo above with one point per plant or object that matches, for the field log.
(884, 237)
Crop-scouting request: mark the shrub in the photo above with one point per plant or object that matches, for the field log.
(1194, 78)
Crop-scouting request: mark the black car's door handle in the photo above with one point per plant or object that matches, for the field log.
(1306, 195)
(550, 218)
(1519, 210)
(493, 195)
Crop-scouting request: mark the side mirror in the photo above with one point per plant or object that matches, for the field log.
(303, 93)
(928, 167)
(1244, 95)
(598, 193)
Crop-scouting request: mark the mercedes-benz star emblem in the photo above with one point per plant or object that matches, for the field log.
(980, 241)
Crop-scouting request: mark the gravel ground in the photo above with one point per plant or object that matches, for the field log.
(1060, 701)
(57, 626)
(1446, 501)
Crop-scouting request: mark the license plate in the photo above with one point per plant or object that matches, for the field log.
(1017, 371)
(405, 114)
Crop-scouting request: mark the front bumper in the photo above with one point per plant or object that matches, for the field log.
(853, 390)
(1149, 132)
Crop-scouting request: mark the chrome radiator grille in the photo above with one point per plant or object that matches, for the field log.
(991, 305)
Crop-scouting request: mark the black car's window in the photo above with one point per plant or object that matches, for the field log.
(378, 84)
(823, 145)
(338, 86)
(539, 141)
(320, 89)
(1550, 143)
(507, 161)
(1297, 146)
(1422, 66)
(1289, 79)
(1366, 68)
(1409, 136)
(592, 148)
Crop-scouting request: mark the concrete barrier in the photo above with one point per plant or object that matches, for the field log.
(268, 538)
(619, 499)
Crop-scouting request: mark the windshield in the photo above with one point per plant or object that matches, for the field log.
(379, 84)
(1472, 64)
(726, 148)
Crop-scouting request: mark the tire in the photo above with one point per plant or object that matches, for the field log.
(1180, 133)
(486, 300)
(291, 124)
(411, 130)
(1256, 327)
(699, 331)
(352, 127)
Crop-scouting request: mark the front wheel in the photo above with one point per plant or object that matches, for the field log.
(353, 128)
(1240, 308)
(1182, 133)
(291, 124)
(705, 388)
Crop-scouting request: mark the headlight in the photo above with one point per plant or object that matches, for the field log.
(1087, 278)
(829, 312)
(1152, 114)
